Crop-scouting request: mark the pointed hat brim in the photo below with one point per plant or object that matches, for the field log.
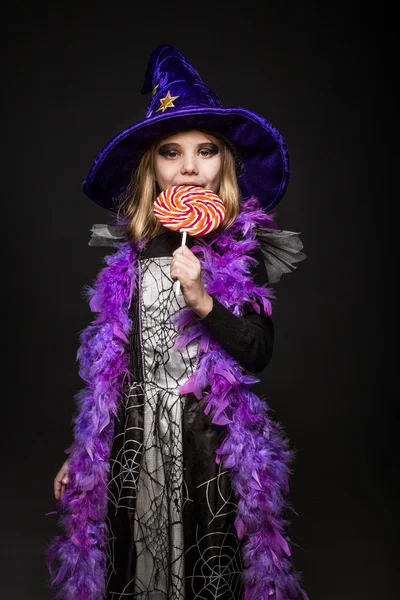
(265, 169)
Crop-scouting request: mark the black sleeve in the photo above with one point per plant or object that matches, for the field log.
(248, 339)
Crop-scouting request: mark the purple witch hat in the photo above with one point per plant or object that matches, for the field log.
(180, 100)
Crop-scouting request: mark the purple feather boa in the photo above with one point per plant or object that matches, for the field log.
(76, 561)
(254, 450)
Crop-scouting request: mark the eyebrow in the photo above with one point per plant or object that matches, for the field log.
(164, 148)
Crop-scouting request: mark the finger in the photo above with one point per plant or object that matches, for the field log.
(184, 251)
(64, 470)
(184, 261)
(176, 273)
(181, 268)
(179, 264)
(61, 473)
(187, 277)
(57, 489)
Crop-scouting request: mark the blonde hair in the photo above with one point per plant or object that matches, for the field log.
(136, 203)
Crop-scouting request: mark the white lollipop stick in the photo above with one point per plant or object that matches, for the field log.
(178, 285)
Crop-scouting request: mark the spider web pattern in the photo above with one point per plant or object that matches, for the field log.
(217, 572)
(171, 534)
(214, 560)
(146, 468)
(128, 447)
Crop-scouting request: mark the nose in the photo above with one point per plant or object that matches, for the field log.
(189, 166)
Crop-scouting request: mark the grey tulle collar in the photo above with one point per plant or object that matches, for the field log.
(281, 249)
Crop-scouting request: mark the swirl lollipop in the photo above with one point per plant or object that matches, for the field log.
(189, 209)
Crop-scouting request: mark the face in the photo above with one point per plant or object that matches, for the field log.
(188, 158)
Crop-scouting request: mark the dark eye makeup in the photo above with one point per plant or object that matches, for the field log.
(165, 149)
(210, 146)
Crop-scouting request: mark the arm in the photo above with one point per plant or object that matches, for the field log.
(248, 339)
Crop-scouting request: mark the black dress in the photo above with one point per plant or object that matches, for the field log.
(171, 508)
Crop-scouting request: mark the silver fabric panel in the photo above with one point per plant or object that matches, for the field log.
(158, 525)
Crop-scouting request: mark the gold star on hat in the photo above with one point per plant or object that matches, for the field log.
(167, 102)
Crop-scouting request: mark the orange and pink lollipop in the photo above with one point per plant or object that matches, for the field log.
(189, 209)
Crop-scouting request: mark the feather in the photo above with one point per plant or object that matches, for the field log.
(254, 450)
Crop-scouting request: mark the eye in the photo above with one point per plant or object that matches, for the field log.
(171, 154)
(208, 151)
(168, 151)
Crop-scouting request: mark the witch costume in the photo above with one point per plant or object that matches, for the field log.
(178, 476)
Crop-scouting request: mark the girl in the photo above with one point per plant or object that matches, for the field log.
(175, 484)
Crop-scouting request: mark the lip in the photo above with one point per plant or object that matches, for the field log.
(190, 183)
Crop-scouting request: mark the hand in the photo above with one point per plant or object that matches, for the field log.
(186, 267)
(61, 481)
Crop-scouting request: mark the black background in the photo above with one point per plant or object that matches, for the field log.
(325, 77)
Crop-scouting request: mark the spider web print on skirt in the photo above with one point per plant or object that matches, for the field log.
(155, 495)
